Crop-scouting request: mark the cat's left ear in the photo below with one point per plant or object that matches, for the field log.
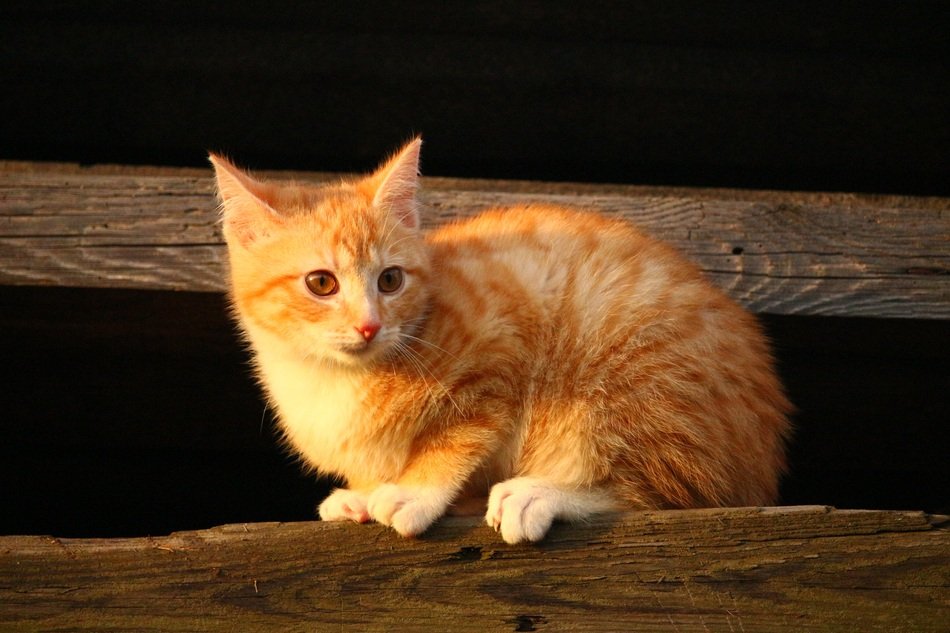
(396, 182)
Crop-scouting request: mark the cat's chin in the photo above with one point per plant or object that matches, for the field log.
(357, 357)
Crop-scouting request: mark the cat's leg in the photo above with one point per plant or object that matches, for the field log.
(435, 475)
(523, 508)
(344, 504)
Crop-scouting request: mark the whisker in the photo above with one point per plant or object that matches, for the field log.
(392, 229)
(402, 351)
(416, 360)
(401, 239)
(430, 345)
(437, 381)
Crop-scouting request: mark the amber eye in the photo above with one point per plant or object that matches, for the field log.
(322, 283)
(390, 280)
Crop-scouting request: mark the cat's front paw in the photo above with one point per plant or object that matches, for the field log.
(409, 511)
(521, 509)
(345, 505)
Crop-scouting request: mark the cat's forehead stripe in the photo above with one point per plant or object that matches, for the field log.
(357, 238)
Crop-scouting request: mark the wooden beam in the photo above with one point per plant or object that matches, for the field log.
(741, 569)
(776, 252)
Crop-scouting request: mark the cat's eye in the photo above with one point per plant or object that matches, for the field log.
(322, 283)
(390, 280)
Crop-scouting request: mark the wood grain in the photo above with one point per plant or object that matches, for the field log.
(780, 253)
(746, 569)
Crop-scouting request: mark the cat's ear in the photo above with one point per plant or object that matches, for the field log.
(396, 182)
(246, 203)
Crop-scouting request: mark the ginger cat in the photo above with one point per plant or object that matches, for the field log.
(557, 362)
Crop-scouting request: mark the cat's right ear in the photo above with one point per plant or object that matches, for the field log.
(395, 183)
(247, 213)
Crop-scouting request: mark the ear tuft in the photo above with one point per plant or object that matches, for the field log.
(247, 214)
(396, 183)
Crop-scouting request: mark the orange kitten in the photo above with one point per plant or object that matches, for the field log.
(557, 362)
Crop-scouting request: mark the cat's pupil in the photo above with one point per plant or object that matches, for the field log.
(390, 280)
(321, 283)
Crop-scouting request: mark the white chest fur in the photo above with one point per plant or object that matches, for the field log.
(322, 415)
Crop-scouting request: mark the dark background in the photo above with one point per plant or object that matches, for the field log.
(133, 412)
(824, 95)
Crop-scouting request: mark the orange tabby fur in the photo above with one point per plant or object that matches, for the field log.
(560, 363)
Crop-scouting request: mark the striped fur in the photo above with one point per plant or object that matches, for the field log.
(538, 362)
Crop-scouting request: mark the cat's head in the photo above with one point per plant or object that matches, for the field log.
(334, 273)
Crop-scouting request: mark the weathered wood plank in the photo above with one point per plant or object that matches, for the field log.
(784, 253)
(745, 569)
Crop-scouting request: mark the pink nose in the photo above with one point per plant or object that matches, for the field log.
(368, 330)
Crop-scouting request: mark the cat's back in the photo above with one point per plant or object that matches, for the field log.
(553, 258)
(510, 234)
(561, 288)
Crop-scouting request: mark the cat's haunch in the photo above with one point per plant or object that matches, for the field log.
(533, 363)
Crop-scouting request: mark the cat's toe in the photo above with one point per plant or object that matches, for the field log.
(409, 511)
(527, 518)
(344, 505)
(536, 520)
(496, 500)
(521, 511)
(385, 501)
(413, 519)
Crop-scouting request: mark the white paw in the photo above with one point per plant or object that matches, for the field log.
(522, 509)
(344, 505)
(409, 511)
